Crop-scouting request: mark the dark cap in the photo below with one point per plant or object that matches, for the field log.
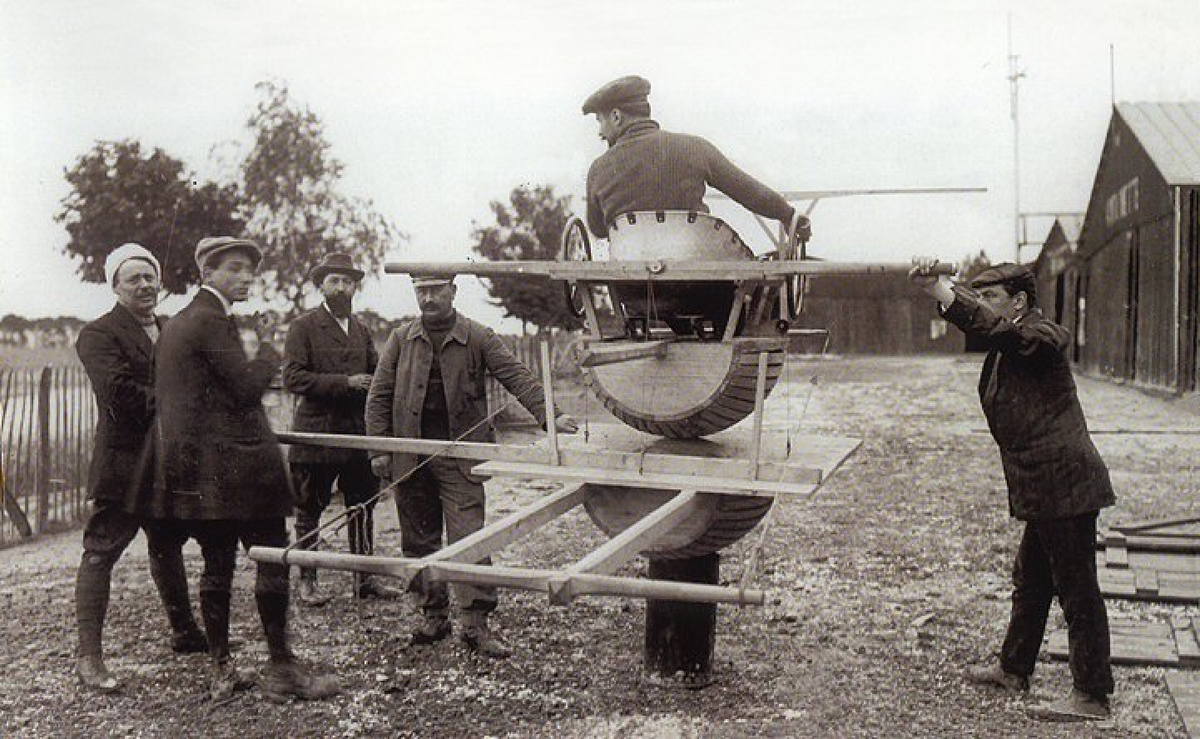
(618, 93)
(430, 280)
(1018, 277)
(214, 245)
(335, 262)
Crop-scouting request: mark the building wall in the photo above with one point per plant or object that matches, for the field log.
(877, 314)
(1127, 251)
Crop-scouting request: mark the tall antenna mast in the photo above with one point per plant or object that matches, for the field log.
(1014, 76)
(1112, 75)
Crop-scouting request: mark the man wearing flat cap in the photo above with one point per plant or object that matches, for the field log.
(328, 361)
(1057, 482)
(648, 169)
(430, 384)
(220, 476)
(116, 351)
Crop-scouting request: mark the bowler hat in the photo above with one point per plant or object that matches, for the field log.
(618, 93)
(335, 262)
(213, 245)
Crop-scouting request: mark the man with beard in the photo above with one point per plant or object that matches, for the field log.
(116, 351)
(430, 385)
(220, 475)
(328, 361)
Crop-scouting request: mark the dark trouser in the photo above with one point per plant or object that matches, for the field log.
(439, 492)
(218, 543)
(1059, 558)
(106, 535)
(314, 487)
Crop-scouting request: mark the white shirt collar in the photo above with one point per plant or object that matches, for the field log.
(343, 322)
(225, 304)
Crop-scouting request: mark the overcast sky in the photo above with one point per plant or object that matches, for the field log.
(436, 108)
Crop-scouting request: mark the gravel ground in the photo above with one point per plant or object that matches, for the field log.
(881, 588)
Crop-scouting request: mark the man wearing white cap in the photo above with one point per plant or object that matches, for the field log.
(116, 351)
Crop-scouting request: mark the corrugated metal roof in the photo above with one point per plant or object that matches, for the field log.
(1170, 133)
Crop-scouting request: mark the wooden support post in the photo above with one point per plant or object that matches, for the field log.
(680, 637)
(760, 391)
(43, 451)
(548, 390)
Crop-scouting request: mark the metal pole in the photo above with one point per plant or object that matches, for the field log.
(1014, 76)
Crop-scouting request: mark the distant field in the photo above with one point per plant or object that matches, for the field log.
(25, 358)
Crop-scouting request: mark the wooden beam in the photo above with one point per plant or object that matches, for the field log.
(629, 543)
(652, 480)
(548, 399)
(599, 461)
(537, 580)
(496, 536)
(664, 270)
(598, 354)
(760, 392)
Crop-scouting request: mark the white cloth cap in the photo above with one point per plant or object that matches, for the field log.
(123, 254)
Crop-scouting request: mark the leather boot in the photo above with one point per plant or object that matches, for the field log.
(480, 638)
(434, 628)
(995, 676)
(289, 679)
(1078, 706)
(308, 592)
(227, 680)
(93, 674)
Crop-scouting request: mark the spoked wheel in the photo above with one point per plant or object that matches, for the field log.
(796, 248)
(576, 247)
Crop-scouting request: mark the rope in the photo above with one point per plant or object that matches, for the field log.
(341, 520)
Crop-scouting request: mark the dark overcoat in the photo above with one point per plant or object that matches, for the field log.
(118, 356)
(1029, 398)
(216, 456)
(469, 353)
(318, 358)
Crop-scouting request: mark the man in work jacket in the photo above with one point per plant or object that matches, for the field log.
(648, 169)
(116, 350)
(328, 361)
(430, 385)
(1057, 482)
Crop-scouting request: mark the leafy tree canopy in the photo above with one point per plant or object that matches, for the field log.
(119, 193)
(291, 203)
(529, 226)
(287, 201)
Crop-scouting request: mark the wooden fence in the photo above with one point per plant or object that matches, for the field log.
(47, 425)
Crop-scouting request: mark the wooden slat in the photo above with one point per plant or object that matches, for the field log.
(598, 354)
(1185, 692)
(623, 547)
(1146, 582)
(537, 580)
(1155, 523)
(657, 481)
(496, 536)
(1185, 641)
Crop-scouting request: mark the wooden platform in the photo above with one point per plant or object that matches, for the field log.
(1155, 560)
(1162, 643)
(1185, 692)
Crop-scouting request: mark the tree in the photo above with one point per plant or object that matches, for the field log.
(528, 227)
(972, 266)
(120, 194)
(291, 203)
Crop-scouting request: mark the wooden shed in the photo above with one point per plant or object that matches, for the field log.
(1057, 275)
(877, 314)
(1138, 260)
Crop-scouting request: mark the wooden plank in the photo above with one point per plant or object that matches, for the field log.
(1164, 562)
(656, 270)
(1154, 523)
(654, 481)
(1185, 692)
(598, 354)
(1152, 644)
(759, 395)
(623, 547)
(1115, 553)
(496, 536)
(548, 399)
(537, 580)
(1146, 581)
(1186, 643)
(812, 459)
